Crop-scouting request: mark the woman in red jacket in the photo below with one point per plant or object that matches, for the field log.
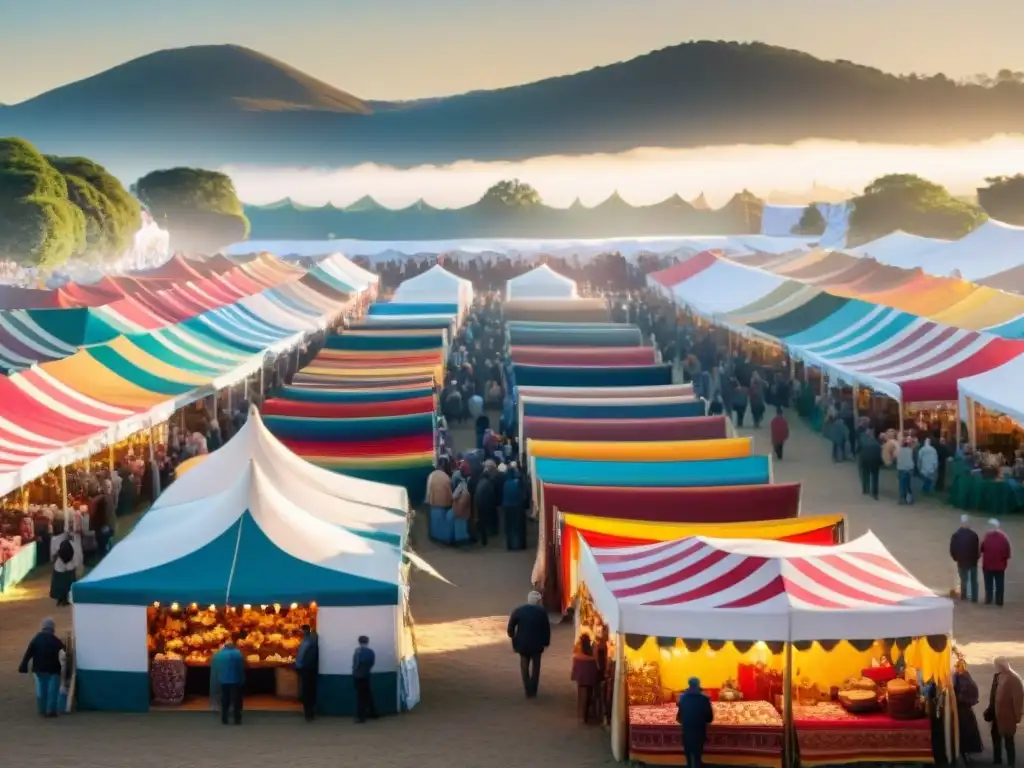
(995, 556)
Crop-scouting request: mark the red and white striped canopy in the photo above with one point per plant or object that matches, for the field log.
(745, 589)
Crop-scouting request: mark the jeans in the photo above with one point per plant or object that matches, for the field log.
(906, 479)
(231, 699)
(994, 583)
(869, 480)
(998, 743)
(968, 582)
(927, 483)
(47, 692)
(694, 758)
(529, 668)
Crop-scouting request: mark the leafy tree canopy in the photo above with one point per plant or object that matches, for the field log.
(912, 204)
(112, 215)
(811, 222)
(512, 193)
(1003, 198)
(38, 223)
(199, 208)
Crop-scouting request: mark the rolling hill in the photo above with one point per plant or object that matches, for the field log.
(215, 105)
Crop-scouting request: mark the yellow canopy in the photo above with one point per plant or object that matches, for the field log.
(668, 450)
(771, 530)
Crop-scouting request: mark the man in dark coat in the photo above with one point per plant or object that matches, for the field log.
(965, 549)
(869, 463)
(485, 503)
(694, 714)
(530, 631)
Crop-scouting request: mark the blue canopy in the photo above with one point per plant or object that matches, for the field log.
(750, 470)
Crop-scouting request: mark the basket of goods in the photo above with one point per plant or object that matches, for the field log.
(645, 684)
(904, 700)
(729, 692)
(858, 700)
(167, 674)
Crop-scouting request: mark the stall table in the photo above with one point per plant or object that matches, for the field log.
(826, 734)
(972, 492)
(744, 733)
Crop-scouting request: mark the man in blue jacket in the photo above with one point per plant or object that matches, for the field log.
(362, 666)
(228, 667)
(694, 715)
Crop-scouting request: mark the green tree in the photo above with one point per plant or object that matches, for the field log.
(511, 193)
(112, 215)
(38, 224)
(811, 222)
(912, 204)
(199, 208)
(1003, 198)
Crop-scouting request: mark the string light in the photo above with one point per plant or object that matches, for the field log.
(174, 606)
(247, 607)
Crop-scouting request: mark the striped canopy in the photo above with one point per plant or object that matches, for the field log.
(745, 589)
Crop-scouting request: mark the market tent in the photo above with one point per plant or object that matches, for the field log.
(907, 358)
(898, 249)
(557, 311)
(540, 283)
(306, 394)
(611, 533)
(722, 504)
(597, 408)
(387, 308)
(436, 285)
(671, 450)
(250, 543)
(616, 430)
(573, 335)
(618, 356)
(667, 390)
(998, 390)
(725, 287)
(744, 589)
(751, 470)
(684, 270)
(590, 376)
(992, 248)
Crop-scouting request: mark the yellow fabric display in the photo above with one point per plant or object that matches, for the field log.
(770, 530)
(669, 450)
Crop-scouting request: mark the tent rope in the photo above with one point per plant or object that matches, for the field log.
(234, 561)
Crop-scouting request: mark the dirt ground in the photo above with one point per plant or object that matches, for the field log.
(473, 711)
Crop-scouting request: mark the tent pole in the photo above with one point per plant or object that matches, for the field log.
(64, 491)
(787, 707)
(899, 405)
(113, 463)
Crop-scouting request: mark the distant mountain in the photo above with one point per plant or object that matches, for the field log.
(614, 217)
(215, 105)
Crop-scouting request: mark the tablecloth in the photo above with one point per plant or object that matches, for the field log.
(974, 493)
(827, 734)
(656, 739)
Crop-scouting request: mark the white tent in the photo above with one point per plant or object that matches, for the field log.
(540, 283)
(998, 390)
(703, 292)
(435, 286)
(254, 524)
(992, 248)
(899, 249)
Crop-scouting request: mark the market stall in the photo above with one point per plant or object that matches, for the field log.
(779, 634)
(252, 543)
(541, 283)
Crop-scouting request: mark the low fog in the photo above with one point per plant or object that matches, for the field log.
(644, 176)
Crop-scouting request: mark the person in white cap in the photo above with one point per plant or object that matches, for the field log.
(965, 549)
(995, 556)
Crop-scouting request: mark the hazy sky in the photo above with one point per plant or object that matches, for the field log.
(391, 49)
